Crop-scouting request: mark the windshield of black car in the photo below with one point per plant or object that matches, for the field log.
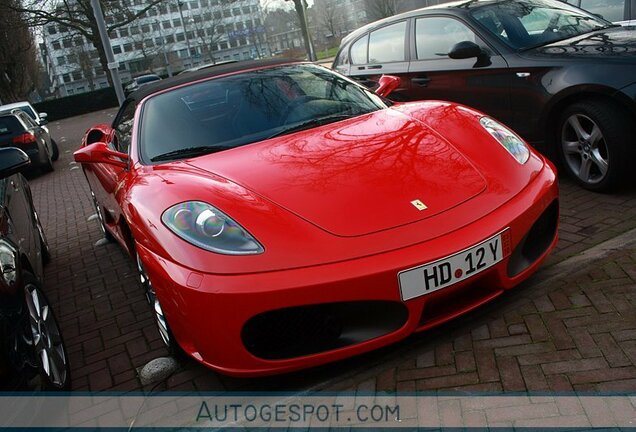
(236, 110)
(524, 24)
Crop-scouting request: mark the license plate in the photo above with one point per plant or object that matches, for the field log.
(449, 270)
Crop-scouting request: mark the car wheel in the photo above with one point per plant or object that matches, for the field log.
(100, 218)
(160, 318)
(56, 150)
(46, 340)
(593, 144)
(47, 166)
(44, 244)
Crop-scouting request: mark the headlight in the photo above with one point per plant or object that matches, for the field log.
(204, 226)
(507, 138)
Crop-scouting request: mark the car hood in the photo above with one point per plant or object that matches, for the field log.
(616, 43)
(356, 176)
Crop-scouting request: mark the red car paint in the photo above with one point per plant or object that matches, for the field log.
(331, 207)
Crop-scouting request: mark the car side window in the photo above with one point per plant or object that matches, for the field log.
(28, 121)
(436, 36)
(359, 50)
(123, 127)
(611, 10)
(387, 44)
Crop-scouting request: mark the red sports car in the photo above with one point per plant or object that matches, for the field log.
(282, 216)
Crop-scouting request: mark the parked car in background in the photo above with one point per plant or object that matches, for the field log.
(140, 81)
(282, 216)
(17, 129)
(206, 66)
(41, 118)
(621, 12)
(563, 78)
(32, 352)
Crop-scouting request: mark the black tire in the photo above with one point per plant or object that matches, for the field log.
(49, 351)
(593, 141)
(56, 150)
(100, 219)
(160, 319)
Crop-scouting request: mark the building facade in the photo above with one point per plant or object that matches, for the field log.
(168, 38)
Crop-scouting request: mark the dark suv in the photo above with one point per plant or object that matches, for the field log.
(32, 353)
(17, 129)
(563, 78)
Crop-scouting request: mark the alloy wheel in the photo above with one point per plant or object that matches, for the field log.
(154, 303)
(47, 341)
(585, 149)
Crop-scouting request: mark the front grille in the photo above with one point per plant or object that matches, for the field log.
(304, 330)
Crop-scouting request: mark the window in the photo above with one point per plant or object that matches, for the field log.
(145, 28)
(156, 26)
(80, 89)
(246, 10)
(180, 37)
(611, 10)
(387, 44)
(190, 34)
(170, 39)
(56, 45)
(67, 43)
(71, 58)
(359, 50)
(128, 47)
(167, 25)
(217, 15)
(66, 78)
(223, 45)
(123, 32)
(227, 13)
(78, 41)
(149, 43)
(116, 49)
(201, 33)
(436, 36)
(204, 3)
(77, 75)
(139, 45)
(123, 127)
(52, 30)
(61, 60)
(194, 5)
(236, 11)
(159, 41)
(176, 22)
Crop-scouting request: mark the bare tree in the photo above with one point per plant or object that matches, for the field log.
(78, 16)
(301, 9)
(19, 68)
(328, 16)
(378, 9)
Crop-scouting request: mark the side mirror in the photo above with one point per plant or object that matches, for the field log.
(12, 161)
(388, 83)
(43, 117)
(99, 152)
(464, 50)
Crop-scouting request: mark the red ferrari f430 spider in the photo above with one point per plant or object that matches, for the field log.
(282, 216)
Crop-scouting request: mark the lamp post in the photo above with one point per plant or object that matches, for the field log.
(113, 66)
(185, 28)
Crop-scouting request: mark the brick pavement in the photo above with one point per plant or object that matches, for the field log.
(574, 331)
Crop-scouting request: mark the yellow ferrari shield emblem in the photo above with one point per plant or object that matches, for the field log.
(419, 205)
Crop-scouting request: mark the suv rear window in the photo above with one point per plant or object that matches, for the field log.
(9, 125)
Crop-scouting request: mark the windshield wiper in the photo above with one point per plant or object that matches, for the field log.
(312, 123)
(189, 152)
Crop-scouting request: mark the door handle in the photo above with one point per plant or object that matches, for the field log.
(361, 67)
(423, 81)
(375, 67)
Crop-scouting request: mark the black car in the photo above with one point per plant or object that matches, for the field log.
(140, 81)
(17, 129)
(32, 353)
(563, 78)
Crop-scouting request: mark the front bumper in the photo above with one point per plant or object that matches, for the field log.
(273, 322)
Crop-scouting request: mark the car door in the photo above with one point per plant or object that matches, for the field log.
(482, 83)
(383, 51)
(105, 179)
(16, 203)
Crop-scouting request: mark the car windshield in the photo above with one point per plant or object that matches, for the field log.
(236, 110)
(524, 24)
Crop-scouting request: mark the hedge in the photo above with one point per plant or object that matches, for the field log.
(70, 106)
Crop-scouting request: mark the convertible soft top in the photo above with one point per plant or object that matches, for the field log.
(221, 69)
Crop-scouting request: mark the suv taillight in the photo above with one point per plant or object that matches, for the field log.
(25, 138)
